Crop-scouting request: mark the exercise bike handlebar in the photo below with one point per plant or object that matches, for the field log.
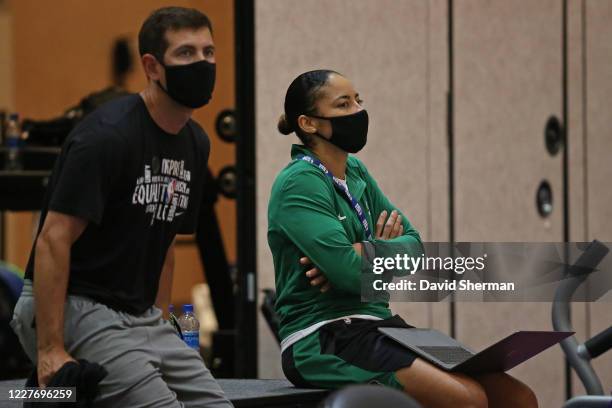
(590, 258)
(599, 344)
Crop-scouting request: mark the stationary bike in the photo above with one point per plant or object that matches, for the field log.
(579, 355)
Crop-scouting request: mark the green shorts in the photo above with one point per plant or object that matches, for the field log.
(347, 352)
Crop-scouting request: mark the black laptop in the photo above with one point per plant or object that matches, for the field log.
(450, 355)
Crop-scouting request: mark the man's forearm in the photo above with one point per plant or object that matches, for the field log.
(51, 271)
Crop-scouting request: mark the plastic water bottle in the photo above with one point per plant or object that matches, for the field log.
(13, 142)
(190, 327)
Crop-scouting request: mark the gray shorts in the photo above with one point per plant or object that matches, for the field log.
(148, 364)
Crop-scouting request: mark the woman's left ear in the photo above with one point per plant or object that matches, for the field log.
(306, 124)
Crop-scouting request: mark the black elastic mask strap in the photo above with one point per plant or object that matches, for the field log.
(317, 133)
(320, 117)
(158, 82)
(161, 86)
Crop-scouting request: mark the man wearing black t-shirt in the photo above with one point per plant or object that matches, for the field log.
(129, 178)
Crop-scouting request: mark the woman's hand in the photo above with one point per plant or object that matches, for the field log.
(315, 275)
(386, 228)
(317, 278)
(389, 228)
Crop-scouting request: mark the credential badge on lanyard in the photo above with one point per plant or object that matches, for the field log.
(339, 186)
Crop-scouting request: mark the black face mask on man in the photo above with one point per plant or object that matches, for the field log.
(349, 132)
(190, 85)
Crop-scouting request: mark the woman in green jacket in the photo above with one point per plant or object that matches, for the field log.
(324, 205)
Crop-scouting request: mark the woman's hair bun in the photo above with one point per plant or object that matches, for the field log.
(283, 125)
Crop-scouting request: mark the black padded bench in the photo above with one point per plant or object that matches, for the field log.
(242, 393)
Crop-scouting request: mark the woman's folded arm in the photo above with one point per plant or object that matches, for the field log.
(306, 215)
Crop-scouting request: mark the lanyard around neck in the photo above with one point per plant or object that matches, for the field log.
(344, 189)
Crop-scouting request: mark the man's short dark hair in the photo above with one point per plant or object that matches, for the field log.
(152, 35)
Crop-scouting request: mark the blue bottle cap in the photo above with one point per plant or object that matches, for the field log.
(170, 308)
(187, 308)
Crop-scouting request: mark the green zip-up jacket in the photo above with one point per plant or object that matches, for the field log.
(308, 216)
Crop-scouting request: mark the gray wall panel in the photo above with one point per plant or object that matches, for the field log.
(576, 156)
(507, 65)
(437, 224)
(392, 70)
(599, 152)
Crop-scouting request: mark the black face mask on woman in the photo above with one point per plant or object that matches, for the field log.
(349, 132)
(190, 85)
